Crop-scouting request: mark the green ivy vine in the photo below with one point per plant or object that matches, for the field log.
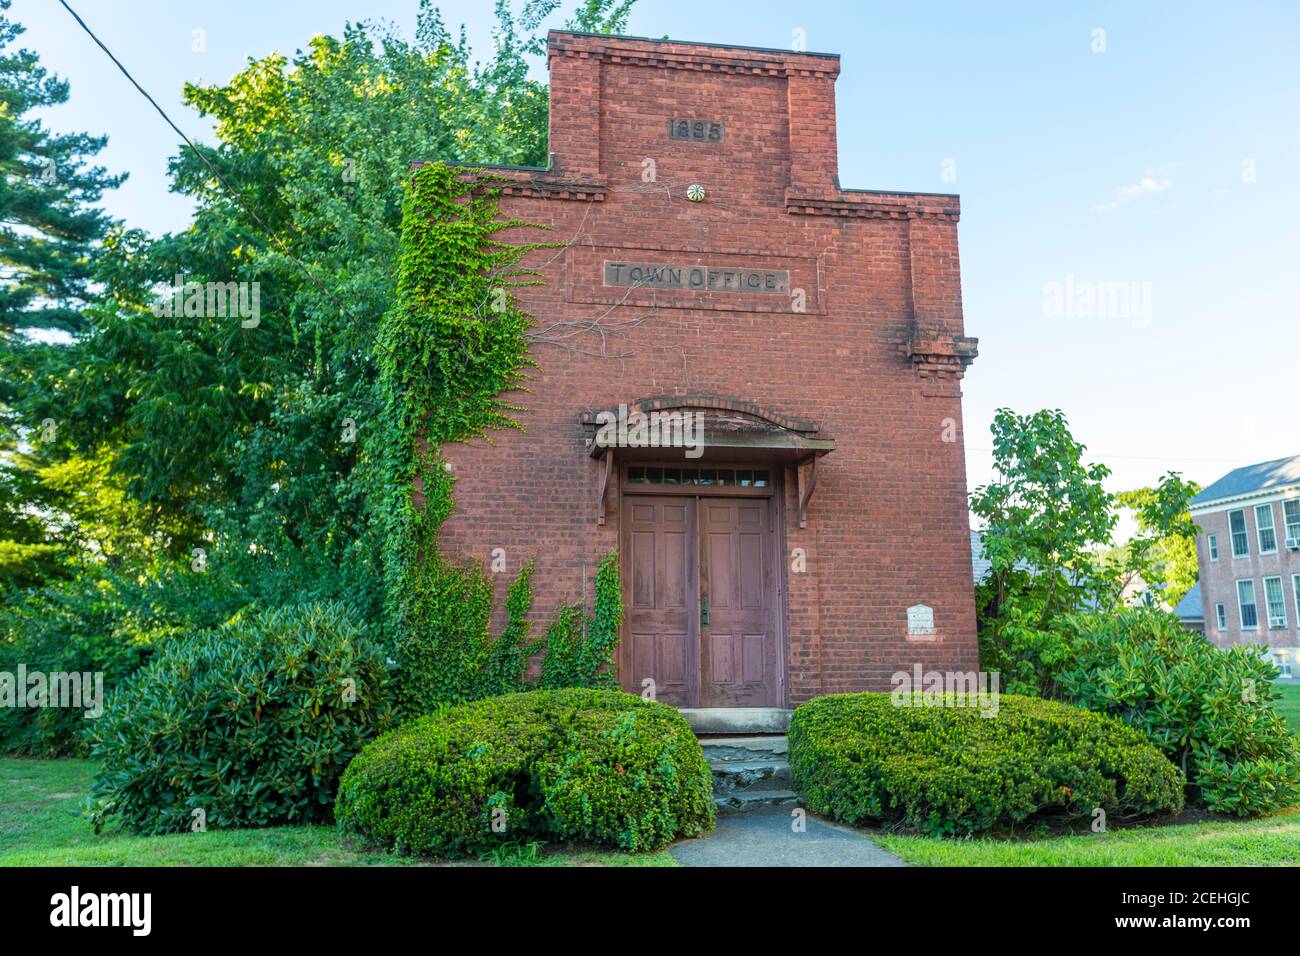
(454, 342)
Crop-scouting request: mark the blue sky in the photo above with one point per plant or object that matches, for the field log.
(1169, 163)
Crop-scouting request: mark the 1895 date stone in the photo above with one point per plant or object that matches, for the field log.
(700, 131)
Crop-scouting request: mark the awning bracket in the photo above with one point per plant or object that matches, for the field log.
(806, 489)
(608, 461)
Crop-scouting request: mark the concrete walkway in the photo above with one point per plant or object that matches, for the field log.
(765, 838)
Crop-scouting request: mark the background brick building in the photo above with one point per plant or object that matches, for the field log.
(819, 331)
(1248, 553)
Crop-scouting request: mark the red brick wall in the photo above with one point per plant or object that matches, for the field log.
(887, 527)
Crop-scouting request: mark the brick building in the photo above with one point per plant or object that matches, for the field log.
(816, 539)
(1248, 553)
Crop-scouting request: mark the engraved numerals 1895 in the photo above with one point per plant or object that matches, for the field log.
(700, 131)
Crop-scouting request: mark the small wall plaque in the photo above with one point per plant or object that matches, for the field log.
(920, 621)
(699, 131)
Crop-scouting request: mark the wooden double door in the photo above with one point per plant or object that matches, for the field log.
(703, 605)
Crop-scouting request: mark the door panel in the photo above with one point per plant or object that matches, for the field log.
(739, 646)
(661, 637)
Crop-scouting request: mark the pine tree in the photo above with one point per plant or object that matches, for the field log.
(49, 228)
(48, 221)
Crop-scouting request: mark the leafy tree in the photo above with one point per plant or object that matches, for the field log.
(1049, 522)
(27, 556)
(1163, 552)
(261, 441)
(1045, 514)
(201, 464)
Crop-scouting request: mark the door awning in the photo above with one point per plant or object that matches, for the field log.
(720, 429)
(704, 432)
(723, 446)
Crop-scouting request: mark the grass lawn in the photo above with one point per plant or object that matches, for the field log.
(41, 825)
(1289, 705)
(1265, 841)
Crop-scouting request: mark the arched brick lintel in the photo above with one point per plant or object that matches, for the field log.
(723, 404)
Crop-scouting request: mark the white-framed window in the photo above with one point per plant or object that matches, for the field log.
(1291, 517)
(1246, 605)
(1295, 584)
(1282, 658)
(1264, 527)
(1275, 599)
(1240, 540)
(1221, 616)
(1212, 542)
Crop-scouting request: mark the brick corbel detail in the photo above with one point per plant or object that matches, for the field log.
(938, 354)
(555, 189)
(862, 205)
(536, 182)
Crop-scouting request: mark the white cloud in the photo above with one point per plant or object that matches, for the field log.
(1154, 180)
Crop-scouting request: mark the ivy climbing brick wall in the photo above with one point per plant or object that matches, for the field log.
(875, 358)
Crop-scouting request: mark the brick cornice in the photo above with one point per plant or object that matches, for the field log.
(679, 55)
(537, 182)
(867, 205)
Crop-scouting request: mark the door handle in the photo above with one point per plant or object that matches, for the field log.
(704, 609)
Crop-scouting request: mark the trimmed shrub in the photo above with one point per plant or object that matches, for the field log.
(950, 770)
(597, 766)
(1207, 708)
(251, 725)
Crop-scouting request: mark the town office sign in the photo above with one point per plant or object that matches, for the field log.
(697, 278)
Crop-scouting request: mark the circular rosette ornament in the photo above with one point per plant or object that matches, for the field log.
(695, 192)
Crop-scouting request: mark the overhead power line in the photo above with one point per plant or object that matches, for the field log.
(270, 234)
(1175, 458)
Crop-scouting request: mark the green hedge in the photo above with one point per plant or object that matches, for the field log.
(251, 724)
(1208, 709)
(597, 766)
(945, 770)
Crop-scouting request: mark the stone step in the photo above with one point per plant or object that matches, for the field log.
(737, 720)
(748, 800)
(719, 749)
(749, 772)
(736, 776)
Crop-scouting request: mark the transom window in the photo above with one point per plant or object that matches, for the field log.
(1240, 540)
(1274, 598)
(1212, 542)
(1246, 604)
(1291, 516)
(724, 477)
(1264, 525)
